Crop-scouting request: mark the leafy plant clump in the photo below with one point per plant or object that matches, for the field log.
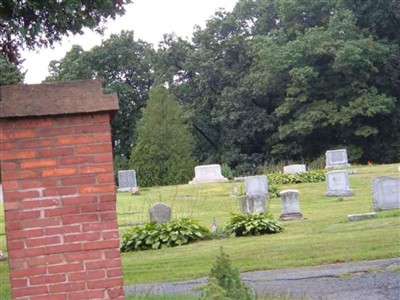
(252, 224)
(225, 282)
(154, 235)
(305, 177)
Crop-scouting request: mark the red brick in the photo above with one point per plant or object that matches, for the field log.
(17, 134)
(46, 260)
(10, 185)
(114, 272)
(87, 275)
(9, 166)
(91, 179)
(86, 295)
(26, 253)
(101, 245)
(59, 191)
(49, 279)
(62, 229)
(76, 140)
(103, 138)
(62, 211)
(76, 119)
(89, 128)
(44, 241)
(56, 152)
(29, 291)
(101, 168)
(27, 174)
(82, 218)
(110, 235)
(107, 206)
(66, 268)
(80, 200)
(106, 283)
(98, 148)
(108, 198)
(40, 223)
(16, 264)
(67, 287)
(22, 154)
(38, 163)
(100, 226)
(78, 159)
(106, 178)
(22, 215)
(61, 296)
(39, 203)
(15, 225)
(97, 189)
(28, 184)
(55, 131)
(59, 172)
(19, 283)
(27, 144)
(63, 248)
(81, 237)
(113, 253)
(28, 272)
(6, 146)
(14, 195)
(109, 216)
(84, 255)
(24, 234)
(103, 264)
(17, 244)
(11, 205)
(34, 123)
(116, 292)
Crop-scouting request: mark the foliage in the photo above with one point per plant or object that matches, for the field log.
(252, 224)
(309, 176)
(34, 24)
(162, 155)
(9, 73)
(226, 171)
(224, 281)
(120, 163)
(273, 190)
(124, 65)
(154, 235)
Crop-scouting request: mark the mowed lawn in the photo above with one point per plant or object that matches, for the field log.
(324, 236)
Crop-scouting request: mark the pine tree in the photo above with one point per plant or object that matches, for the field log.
(162, 155)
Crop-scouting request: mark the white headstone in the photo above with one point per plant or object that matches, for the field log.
(294, 169)
(337, 183)
(126, 180)
(290, 205)
(386, 193)
(160, 213)
(358, 217)
(253, 204)
(256, 185)
(336, 159)
(208, 174)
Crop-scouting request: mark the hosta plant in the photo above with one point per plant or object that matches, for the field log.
(252, 224)
(153, 235)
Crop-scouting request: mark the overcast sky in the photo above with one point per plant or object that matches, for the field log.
(149, 19)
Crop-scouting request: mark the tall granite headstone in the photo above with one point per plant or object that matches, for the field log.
(337, 183)
(386, 193)
(290, 205)
(126, 180)
(256, 194)
(336, 159)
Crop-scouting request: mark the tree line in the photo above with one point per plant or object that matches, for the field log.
(272, 80)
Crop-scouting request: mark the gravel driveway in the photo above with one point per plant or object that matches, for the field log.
(367, 280)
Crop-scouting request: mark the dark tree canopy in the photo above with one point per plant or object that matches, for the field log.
(36, 23)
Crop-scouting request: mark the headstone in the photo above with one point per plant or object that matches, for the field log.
(208, 174)
(256, 194)
(294, 169)
(337, 183)
(214, 225)
(336, 159)
(358, 217)
(290, 206)
(126, 180)
(386, 193)
(160, 213)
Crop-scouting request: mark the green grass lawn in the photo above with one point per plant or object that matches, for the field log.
(324, 236)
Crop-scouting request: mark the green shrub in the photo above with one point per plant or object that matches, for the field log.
(153, 235)
(252, 224)
(273, 190)
(224, 281)
(226, 171)
(309, 176)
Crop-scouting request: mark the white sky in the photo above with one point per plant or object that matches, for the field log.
(149, 19)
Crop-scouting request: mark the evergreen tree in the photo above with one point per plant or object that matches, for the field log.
(162, 155)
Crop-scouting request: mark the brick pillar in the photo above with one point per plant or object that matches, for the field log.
(59, 191)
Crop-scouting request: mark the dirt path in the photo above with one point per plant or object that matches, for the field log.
(367, 280)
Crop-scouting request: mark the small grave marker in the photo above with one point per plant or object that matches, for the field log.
(290, 206)
(294, 169)
(160, 213)
(208, 174)
(358, 217)
(126, 180)
(337, 183)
